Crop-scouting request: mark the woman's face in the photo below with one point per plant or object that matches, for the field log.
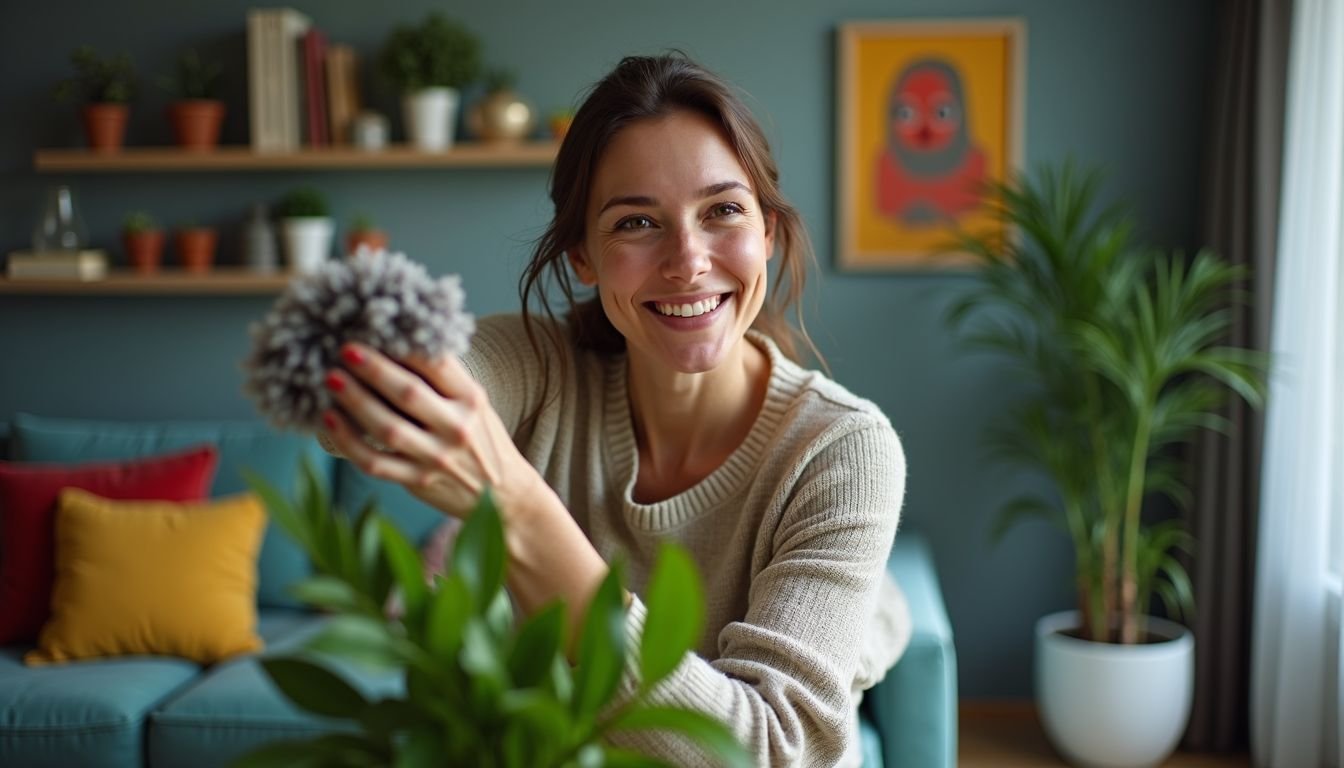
(676, 242)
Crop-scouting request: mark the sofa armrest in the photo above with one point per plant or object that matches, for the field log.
(914, 708)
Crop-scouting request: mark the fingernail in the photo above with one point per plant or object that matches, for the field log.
(351, 355)
(335, 383)
(329, 419)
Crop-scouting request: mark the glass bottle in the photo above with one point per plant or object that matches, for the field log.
(60, 227)
(259, 248)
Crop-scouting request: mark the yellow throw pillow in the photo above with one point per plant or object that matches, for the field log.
(153, 577)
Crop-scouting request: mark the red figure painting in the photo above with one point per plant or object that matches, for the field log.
(929, 172)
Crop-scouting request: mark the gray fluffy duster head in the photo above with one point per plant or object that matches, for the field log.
(381, 299)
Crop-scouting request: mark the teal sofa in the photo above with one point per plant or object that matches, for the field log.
(161, 711)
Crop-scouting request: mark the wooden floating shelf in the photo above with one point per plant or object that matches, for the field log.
(218, 281)
(536, 154)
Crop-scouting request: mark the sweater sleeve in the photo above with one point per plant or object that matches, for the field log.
(503, 362)
(784, 679)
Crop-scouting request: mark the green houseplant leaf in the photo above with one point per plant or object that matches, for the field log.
(674, 592)
(315, 688)
(480, 688)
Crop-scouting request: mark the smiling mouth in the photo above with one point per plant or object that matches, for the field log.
(695, 309)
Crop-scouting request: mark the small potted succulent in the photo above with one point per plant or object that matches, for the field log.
(106, 85)
(195, 246)
(143, 241)
(363, 232)
(428, 63)
(307, 229)
(501, 116)
(559, 121)
(197, 111)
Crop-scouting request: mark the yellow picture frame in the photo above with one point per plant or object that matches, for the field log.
(928, 112)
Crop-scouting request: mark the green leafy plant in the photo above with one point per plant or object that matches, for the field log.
(1123, 347)
(194, 77)
(500, 79)
(479, 689)
(438, 52)
(139, 221)
(98, 79)
(304, 202)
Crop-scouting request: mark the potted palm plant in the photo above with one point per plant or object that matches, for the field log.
(197, 111)
(107, 85)
(428, 64)
(143, 240)
(1122, 345)
(306, 228)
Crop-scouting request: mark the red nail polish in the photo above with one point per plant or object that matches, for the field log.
(352, 356)
(335, 383)
(329, 419)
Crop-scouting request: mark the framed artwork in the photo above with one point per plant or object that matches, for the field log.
(928, 112)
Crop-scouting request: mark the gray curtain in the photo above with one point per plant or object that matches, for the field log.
(1242, 177)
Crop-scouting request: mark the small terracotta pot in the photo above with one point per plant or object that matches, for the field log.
(105, 126)
(144, 250)
(560, 126)
(196, 123)
(373, 239)
(196, 248)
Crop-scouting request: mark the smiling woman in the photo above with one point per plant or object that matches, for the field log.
(670, 405)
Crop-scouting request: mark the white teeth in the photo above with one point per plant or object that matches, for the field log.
(688, 310)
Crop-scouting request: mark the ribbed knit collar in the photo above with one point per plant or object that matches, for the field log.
(731, 478)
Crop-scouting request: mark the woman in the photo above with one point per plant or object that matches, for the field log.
(668, 407)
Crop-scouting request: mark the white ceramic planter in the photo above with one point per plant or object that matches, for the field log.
(430, 115)
(1113, 706)
(307, 242)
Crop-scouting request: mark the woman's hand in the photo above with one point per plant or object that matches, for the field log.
(440, 438)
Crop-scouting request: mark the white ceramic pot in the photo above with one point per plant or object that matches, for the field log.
(430, 115)
(307, 242)
(1113, 706)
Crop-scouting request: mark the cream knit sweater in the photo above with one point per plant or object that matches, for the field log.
(791, 535)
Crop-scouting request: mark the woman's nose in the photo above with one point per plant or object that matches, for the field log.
(688, 256)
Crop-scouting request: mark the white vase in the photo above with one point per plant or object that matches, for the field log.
(430, 115)
(1106, 705)
(307, 243)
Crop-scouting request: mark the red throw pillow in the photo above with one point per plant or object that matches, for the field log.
(28, 496)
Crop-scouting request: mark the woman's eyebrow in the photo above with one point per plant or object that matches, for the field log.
(645, 200)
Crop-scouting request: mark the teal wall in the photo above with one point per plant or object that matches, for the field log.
(1120, 83)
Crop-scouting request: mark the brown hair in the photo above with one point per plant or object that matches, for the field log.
(640, 88)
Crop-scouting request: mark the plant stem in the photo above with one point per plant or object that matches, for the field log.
(1101, 619)
(1138, 465)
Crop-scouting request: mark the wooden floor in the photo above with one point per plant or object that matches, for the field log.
(1009, 735)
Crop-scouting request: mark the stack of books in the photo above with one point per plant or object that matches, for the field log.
(57, 265)
(301, 91)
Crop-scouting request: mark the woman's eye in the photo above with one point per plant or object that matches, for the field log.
(726, 209)
(635, 222)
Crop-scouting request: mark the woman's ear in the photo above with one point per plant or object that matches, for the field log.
(578, 259)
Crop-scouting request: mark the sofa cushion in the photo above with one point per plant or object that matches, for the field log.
(90, 715)
(273, 455)
(233, 708)
(153, 577)
(28, 494)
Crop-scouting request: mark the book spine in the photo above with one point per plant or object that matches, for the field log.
(256, 99)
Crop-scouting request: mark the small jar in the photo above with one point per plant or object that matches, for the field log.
(369, 131)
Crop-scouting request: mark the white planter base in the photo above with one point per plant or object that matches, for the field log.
(307, 243)
(431, 116)
(1113, 706)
